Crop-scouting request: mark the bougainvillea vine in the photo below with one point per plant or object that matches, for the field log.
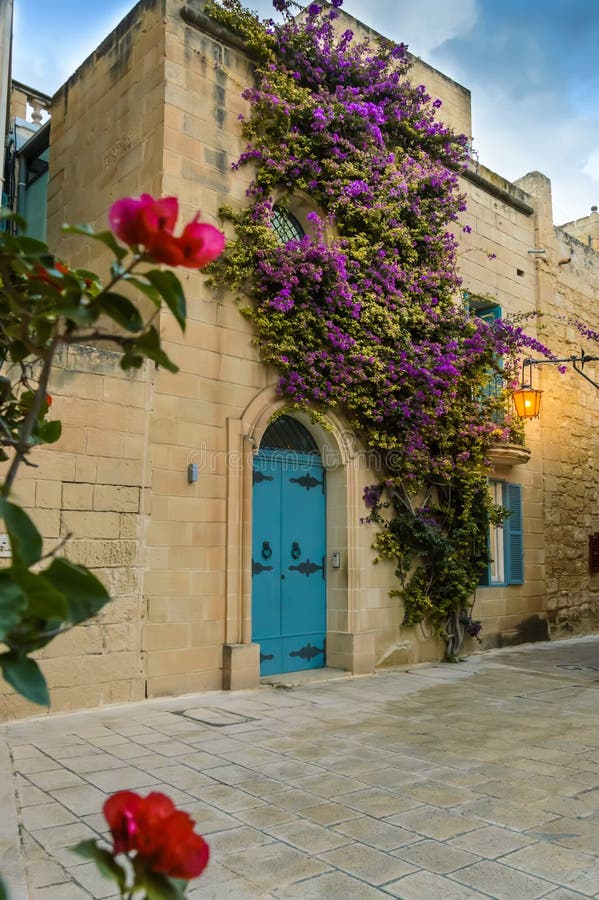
(362, 313)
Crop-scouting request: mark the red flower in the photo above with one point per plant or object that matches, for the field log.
(160, 834)
(150, 223)
(138, 222)
(42, 274)
(200, 244)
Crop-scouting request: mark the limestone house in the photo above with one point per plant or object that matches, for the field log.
(155, 109)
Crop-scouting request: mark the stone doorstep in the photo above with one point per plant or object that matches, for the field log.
(307, 676)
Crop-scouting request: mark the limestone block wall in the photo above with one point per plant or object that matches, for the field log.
(568, 286)
(106, 142)
(91, 486)
(585, 230)
(185, 586)
(495, 262)
(571, 459)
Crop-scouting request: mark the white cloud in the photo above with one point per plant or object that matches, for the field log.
(423, 25)
(591, 166)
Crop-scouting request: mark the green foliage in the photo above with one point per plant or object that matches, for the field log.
(361, 315)
(132, 876)
(439, 549)
(107, 865)
(37, 606)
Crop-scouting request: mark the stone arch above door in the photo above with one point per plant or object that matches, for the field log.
(346, 649)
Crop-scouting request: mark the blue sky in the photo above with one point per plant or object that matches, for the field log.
(531, 66)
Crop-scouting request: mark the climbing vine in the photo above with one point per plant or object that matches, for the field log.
(361, 313)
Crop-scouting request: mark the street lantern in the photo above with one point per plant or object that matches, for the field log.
(527, 400)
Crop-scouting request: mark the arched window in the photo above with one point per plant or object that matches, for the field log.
(286, 226)
(286, 433)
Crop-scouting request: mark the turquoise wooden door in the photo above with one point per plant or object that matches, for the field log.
(288, 561)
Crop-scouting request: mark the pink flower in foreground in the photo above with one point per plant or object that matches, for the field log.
(140, 221)
(148, 223)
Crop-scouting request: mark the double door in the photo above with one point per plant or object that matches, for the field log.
(289, 561)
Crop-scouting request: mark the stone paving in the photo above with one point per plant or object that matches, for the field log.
(440, 781)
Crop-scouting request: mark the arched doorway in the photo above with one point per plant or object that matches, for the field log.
(289, 550)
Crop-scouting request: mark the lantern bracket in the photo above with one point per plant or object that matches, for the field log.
(577, 363)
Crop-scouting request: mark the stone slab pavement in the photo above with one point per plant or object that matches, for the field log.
(436, 782)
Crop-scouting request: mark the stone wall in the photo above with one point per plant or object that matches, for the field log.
(92, 486)
(585, 230)
(106, 142)
(568, 274)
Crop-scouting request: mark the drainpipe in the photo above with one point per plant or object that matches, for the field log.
(6, 15)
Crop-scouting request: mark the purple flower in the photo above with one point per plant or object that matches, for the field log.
(372, 495)
(283, 301)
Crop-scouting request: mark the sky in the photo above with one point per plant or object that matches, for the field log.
(531, 66)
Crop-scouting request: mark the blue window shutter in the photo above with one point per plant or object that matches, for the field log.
(488, 313)
(512, 528)
(485, 578)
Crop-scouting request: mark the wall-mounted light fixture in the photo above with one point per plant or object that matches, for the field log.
(527, 400)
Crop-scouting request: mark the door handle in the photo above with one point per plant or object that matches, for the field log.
(295, 550)
(266, 550)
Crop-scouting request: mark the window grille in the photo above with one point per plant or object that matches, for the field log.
(286, 433)
(286, 226)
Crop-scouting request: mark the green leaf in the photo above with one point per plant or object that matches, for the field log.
(18, 350)
(85, 594)
(121, 310)
(30, 246)
(3, 890)
(149, 345)
(104, 860)
(49, 432)
(12, 603)
(25, 539)
(131, 361)
(44, 601)
(26, 677)
(86, 275)
(73, 309)
(86, 849)
(161, 887)
(5, 388)
(169, 288)
(148, 289)
(43, 329)
(105, 237)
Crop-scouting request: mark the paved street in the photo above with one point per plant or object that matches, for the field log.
(441, 781)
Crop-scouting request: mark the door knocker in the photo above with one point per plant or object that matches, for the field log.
(295, 550)
(266, 550)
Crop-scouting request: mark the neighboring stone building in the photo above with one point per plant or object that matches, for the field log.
(585, 230)
(156, 109)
